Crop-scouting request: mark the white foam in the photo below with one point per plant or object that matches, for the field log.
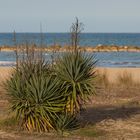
(7, 63)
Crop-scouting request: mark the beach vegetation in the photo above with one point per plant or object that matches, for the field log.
(49, 95)
(8, 123)
(66, 123)
(35, 97)
(103, 79)
(75, 31)
(125, 79)
(76, 72)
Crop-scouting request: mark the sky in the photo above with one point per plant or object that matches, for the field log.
(58, 15)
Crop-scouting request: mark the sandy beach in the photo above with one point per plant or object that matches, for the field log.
(5, 72)
(114, 111)
(112, 73)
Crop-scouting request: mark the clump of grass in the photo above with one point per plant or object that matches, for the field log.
(125, 80)
(8, 123)
(103, 79)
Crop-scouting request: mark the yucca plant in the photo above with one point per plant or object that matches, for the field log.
(35, 97)
(76, 72)
(38, 97)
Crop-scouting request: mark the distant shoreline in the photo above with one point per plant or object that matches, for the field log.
(59, 48)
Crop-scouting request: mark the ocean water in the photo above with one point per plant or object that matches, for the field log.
(105, 59)
(86, 39)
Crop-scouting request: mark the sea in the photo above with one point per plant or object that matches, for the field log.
(105, 59)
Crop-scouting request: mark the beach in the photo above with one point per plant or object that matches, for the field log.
(70, 70)
(114, 111)
(112, 73)
(5, 73)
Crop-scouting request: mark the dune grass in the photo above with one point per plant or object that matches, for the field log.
(124, 80)
(103, 79)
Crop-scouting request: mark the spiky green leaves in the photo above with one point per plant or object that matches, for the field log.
(75, 71)
(44, 98)
(67, 122)
(36, 100)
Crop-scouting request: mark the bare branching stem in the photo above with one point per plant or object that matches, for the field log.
(75, 31)
(16, 51)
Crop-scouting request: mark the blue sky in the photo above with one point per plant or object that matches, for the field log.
(57, 15)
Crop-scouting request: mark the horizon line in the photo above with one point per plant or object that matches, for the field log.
(80, 33)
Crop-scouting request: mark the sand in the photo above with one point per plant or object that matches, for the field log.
(5, 72)
(112, 73)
